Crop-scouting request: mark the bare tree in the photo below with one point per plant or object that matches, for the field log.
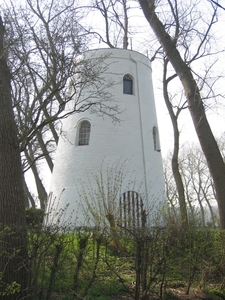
(198, 183)
(198, 186)
(14, 268)
(174, 100)
(44, 42)
(169, 43)
(115, 15)
(174, 113)
(216, 3)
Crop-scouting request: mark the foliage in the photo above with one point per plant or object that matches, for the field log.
(81, 264)
(34, 216)
(11, 289)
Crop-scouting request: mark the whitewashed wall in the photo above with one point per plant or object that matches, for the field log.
(128, 142)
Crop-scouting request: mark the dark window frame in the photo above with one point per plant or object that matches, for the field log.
(128, 84)
(84, 133)
(155, 135)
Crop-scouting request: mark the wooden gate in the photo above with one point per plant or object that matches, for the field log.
(132, 213)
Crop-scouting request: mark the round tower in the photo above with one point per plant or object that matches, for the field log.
(119, 161)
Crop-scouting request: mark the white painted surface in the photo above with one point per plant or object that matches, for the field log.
(129, 142)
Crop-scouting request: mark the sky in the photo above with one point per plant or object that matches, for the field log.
(141, 39)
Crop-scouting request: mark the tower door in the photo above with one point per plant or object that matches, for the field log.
(132, 213)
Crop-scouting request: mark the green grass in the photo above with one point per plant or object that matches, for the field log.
(214, 293)
(104, 290)
(169, 260)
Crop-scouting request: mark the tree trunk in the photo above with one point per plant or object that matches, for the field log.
(13, 244)
(176, 147)
(42, 194)
(206, 138)
(29, 200)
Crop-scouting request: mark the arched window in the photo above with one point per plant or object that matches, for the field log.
(155, 138)
(84, 133)
(127, 84)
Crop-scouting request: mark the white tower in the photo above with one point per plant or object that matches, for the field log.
(90, 145)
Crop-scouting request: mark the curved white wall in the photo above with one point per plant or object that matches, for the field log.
(129, 140)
